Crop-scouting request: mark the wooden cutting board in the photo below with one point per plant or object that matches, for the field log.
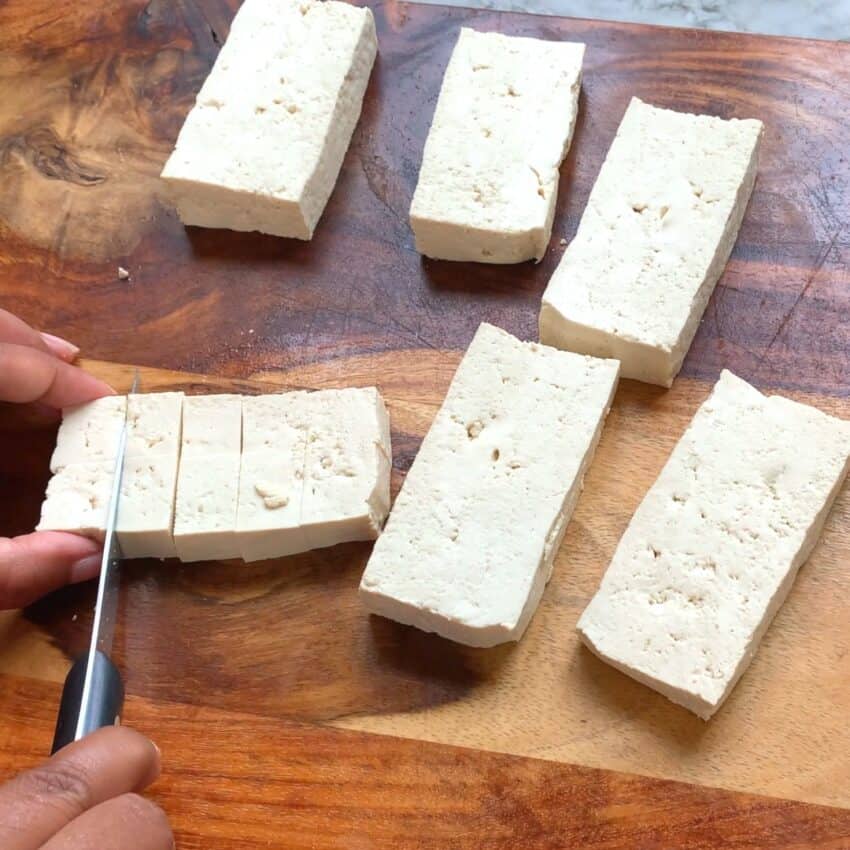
(240, 671)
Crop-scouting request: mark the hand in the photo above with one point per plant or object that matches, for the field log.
(35, 368)
(86, 798)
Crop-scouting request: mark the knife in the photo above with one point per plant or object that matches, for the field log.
(93, 695)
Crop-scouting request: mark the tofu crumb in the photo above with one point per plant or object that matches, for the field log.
(563, 242)
(123, 274)
(272, 498)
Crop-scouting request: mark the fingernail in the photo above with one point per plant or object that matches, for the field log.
(60, 347)
(85, 569)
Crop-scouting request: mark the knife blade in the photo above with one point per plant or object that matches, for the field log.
(93, 695)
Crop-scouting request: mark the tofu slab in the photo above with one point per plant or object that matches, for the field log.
(263, 145)
(654, 239)
(149, 481)
(315, 471)
(208, 478)
(502, 126)
(712, 551)
(471, 540)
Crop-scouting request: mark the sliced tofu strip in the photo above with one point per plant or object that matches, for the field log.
(149, 481)
(263, 145)
(315, 471)
(503, 125)
(471, 540)
(208, 479)
(654, 239)
(347, 470)
(83, 464)
(712, 551)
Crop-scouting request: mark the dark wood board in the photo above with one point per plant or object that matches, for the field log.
(94, 95)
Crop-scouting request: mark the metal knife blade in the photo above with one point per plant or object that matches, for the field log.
(93, 693)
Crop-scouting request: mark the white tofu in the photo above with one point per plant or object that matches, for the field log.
(89, 432)
(315, 471)
(348, 463)
(146, 508)
(712, 551)
(471, 540)
(263, 145)
(154, 422)
(503, 125)
(205, 516)
(149, 480)
(208, 480)
(655, 236)
(212, 424)
(77, 499)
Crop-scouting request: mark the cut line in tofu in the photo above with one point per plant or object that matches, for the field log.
(503, 124)
(208, 478)
(659, 226)
(149, 479)
(713, 549)
(470, 543)
(263, 145)
(315, 471)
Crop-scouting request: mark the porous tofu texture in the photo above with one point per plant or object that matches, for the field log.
(315, 471)
(77, 499)
(90, 432)
(149, 479)
(502, 126)
(654, 238)
(205, 516)
(208, 481)
(712, 551)
(470, 543)
(263, 145)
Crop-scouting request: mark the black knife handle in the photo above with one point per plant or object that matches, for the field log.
(107, 699)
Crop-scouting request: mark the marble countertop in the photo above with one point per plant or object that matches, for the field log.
(828, 19)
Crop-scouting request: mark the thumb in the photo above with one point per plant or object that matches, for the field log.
(36, 564)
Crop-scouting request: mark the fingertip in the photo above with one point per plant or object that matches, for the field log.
(85, 569)
(62, 348)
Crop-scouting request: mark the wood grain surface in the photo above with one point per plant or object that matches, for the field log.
(94, 94)
(311, 788)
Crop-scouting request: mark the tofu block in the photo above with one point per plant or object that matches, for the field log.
(654, 239)
(503, 125)
(208, 480)
(712, 551)
(315, 471)
(149, 480)
(77, 499)
(262, 147)
(471, 541)
(90, 432)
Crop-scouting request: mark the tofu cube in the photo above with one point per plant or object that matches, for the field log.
(262, 147)
(654, 239)
(471, 541)
(208, 480)
(713, 549)
(503, 124)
